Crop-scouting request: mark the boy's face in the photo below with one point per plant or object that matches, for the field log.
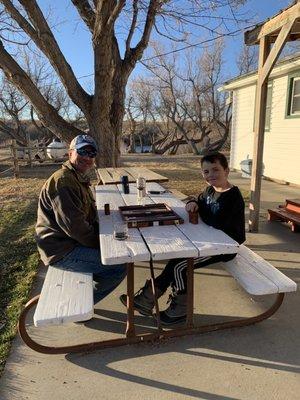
(215, 174)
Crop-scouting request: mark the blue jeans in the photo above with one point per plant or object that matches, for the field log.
(85, 259)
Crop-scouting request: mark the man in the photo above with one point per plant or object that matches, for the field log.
(67, 227)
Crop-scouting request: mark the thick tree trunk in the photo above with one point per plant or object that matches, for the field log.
(99, 119)
(117, 113)
(105, 139)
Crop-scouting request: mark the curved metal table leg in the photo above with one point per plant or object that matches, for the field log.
(78, 347)
(231, 324)
(138, 338)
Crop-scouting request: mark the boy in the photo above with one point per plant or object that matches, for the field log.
(221, 205)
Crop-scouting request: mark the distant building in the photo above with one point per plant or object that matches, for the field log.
(282, 129)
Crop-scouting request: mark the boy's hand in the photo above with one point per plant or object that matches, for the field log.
(191, 207)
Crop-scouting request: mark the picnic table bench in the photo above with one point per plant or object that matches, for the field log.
(68, 296)
(289, 212)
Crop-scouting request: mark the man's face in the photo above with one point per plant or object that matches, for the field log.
(83, 158)
(215, 174)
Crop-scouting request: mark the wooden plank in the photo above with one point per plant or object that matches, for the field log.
(295, 202)
(293, 209)
(120, 251)
(283, 283)
(208, 240)
(131, 176)
(115, 251)
(116, 174)
(131, 199)
(146, 173)
(250, 279)
(113, 175)
(256, 275)
(108, 195)
(179, 195)
(275, 51)
(259, 132)
(104, 175)
(167, 242)
(253, 36)
(282, 214)
(66, 296)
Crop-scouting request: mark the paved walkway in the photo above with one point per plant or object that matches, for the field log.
(259, 362)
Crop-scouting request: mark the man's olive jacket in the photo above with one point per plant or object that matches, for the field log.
(67, 215)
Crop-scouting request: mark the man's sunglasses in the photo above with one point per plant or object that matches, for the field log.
(87, 153)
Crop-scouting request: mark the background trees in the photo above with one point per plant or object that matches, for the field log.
(119, 33)
(182, 101)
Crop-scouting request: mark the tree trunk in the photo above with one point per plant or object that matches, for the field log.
(102, 132)
(117, 113)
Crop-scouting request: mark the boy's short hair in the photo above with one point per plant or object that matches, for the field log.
(213, 157)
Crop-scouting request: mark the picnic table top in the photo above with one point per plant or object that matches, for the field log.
(110, 176)
(159, 242)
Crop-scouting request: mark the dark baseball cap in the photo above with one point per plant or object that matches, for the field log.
(83, 140)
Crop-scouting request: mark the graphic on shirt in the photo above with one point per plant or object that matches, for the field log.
(212, 204)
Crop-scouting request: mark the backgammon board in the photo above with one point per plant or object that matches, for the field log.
(137, 216)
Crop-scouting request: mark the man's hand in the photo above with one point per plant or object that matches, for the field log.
(191, 207)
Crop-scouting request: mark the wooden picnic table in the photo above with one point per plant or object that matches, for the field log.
(67, 295)
(108, 176)
(155, 242)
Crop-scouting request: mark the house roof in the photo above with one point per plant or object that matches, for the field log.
(283, 66)
(271, 26)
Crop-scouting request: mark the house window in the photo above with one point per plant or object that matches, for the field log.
(293, 96)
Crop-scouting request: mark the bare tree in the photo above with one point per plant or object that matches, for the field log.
(186, 100)
(139, 110)
(131, 119)
(247, 60)
(12, 105)
(109, 22)
(17, 114)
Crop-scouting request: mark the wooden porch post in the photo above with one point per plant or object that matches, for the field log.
(267, 60)
(259, 130)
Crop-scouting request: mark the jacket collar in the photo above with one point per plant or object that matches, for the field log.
(80, 177)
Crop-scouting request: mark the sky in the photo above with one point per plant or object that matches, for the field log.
(74, 39)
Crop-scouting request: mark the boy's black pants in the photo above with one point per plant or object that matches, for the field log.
(174, 273)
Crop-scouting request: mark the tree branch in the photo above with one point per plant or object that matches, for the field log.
(42, 36)
(115, 12)
(133, 55)
(86, 12)
(45, 111)
(14, 134)
(133, 24)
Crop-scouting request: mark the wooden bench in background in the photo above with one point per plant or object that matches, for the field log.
(290, 213)
(110, 176)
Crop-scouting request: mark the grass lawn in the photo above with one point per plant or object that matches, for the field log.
(18, 254)
(19, 259)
